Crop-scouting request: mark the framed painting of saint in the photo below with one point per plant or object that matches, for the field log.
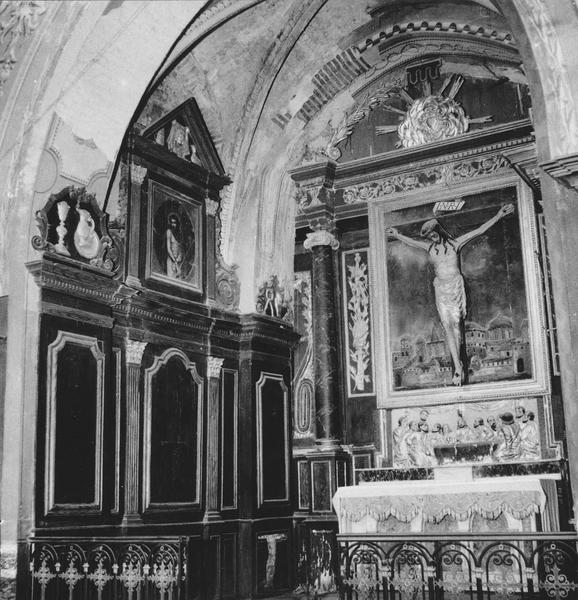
(175, 238)
(458, 300)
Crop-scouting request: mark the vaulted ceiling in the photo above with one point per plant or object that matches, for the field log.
(284, 82)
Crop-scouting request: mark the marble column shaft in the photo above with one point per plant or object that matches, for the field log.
(325, 350)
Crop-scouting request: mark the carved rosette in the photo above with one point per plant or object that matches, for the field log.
(134, 351)
(432, 119)
(214, 366)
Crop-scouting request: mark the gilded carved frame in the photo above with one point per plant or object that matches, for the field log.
(380, 217)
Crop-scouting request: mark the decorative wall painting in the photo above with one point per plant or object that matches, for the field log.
(175, 239)
(458, 297)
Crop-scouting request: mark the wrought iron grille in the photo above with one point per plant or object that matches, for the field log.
(108, 569)
(459, 566)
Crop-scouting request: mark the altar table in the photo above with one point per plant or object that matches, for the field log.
(365, 508)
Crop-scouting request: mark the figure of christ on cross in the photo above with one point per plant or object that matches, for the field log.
(450, 296)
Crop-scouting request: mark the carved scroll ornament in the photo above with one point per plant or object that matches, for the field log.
(72, 225)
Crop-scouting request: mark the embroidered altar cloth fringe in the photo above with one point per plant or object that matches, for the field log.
(490, 498)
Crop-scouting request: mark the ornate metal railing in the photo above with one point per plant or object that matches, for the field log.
(470, 566)
(108, 569)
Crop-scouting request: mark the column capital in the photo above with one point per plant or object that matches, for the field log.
(134, 351)
(320, 237)
(214, 366)
(211, 207)
(137, 174)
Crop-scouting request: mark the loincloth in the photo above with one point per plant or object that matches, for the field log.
(451, 298)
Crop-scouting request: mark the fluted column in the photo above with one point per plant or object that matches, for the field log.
(212, 504)
(134, 351)
(322, 243)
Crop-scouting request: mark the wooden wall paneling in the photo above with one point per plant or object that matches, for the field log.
(229, 437)
(303, 485)
(118, 420)
(165, 443)
(272, 397)
(76, 423)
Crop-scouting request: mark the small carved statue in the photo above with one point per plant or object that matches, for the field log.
(86, 239)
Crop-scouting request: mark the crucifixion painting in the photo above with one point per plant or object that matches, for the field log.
(444, 255)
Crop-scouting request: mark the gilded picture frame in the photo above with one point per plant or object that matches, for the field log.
(480, 273)
(175, 239)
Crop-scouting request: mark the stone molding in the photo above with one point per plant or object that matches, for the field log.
(564, 169)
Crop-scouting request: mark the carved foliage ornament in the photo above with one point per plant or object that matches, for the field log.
(358, 323)
(73, 225)
(214, 366)
(227, 284)
(442, 174)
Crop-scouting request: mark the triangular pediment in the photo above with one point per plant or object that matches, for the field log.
(184, 132)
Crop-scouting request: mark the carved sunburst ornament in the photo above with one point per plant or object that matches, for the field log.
(431, 118)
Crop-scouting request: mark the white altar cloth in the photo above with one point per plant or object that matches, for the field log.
(360, 508)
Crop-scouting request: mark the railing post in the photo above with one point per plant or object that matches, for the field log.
(530, 579)
(430, 574)
(479, 586)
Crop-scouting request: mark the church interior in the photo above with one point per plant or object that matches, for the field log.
(288, 302)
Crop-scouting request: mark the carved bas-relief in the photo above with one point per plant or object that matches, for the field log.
(358, 323)
(492, 432)
(273, 301)
(72, 225)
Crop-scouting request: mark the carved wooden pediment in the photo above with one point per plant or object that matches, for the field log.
(184, 133)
